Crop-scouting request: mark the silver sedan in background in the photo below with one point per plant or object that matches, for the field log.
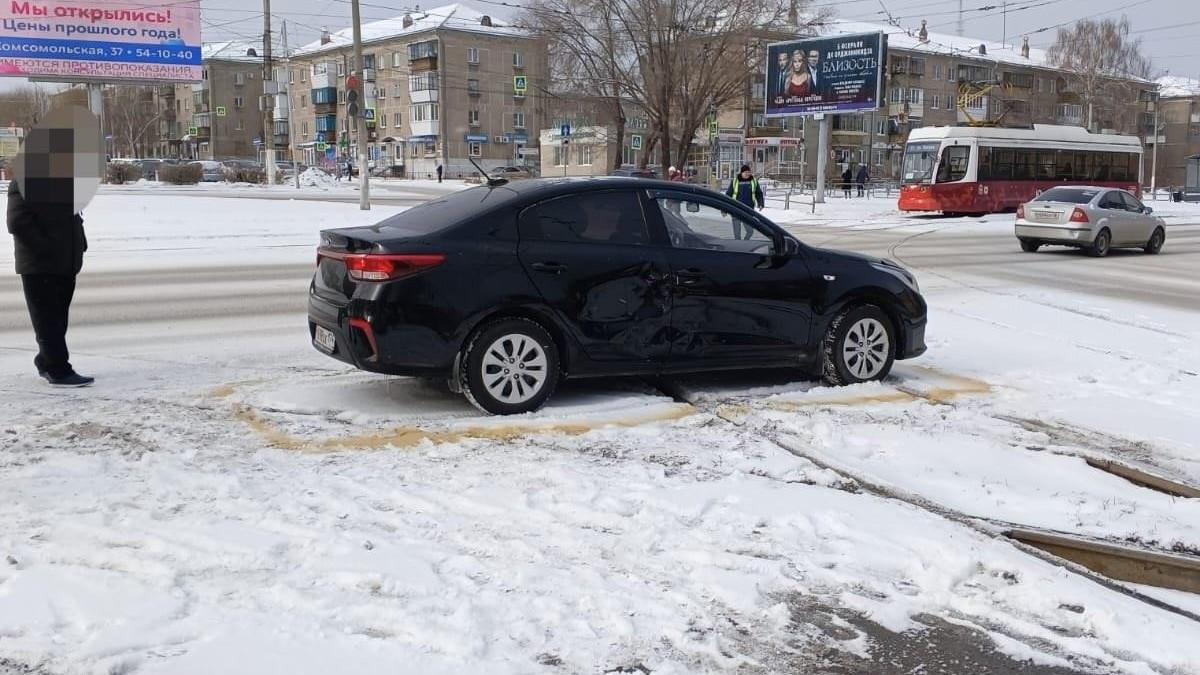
(1096, 219)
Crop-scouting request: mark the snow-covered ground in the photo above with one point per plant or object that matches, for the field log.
(228, 500)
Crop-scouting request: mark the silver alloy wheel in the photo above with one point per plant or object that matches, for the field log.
(865, 348)
(514, 368)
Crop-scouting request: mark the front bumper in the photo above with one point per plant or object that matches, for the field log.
(913, 339)
(1055, 233)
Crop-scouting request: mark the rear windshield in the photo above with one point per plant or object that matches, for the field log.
(1068, 195)
(444, 212)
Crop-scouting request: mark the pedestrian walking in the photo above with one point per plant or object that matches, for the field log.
(861, 179)
(675, 175)
(439, 172)
(745, 188)
(349, 170)
(45, 200)
(847, 182)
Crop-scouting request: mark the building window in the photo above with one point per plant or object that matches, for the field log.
(473, 118)
(303, 100)
(518, 120)
(758, 90)
(937, 71)
(472, 87)
(239, 79)
(936, 102)
(916, 96)
(475, 149)
(951, 76)
(238, 101)
(473, 55)
(560, 155)
(583, 154)
(368, 62)
(341, 69)
(518, 60)
(397, 120)
(881, 128)
(381, 92)
(342, 96)
(425, 112)
(345, 126)
(304, 127)
(422, 50)
(240, 126)
(916, 66)
(291, 76)
(382, 120)
(758, 120)
(897, 95)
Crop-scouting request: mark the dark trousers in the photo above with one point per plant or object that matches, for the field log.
(48, 297)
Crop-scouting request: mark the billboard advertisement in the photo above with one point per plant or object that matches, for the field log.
(843, 73)
(101, 40)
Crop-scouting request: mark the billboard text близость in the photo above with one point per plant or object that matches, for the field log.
(830, 74)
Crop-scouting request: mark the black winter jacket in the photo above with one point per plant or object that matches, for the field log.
(47, 238)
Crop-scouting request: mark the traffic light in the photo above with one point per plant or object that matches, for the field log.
(352, 97)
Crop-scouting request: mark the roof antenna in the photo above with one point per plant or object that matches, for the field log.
(491, 182)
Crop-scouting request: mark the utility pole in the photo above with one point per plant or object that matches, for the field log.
(1004, 23)
(822, 156)
(1154, 154)
(268, 98)
(287, 67)
(364, 194)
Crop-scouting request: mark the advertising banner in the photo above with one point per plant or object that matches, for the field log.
(836, 74)
(101, 40)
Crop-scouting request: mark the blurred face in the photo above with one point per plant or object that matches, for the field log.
(746, 174)
(60, 161)
(798, 62)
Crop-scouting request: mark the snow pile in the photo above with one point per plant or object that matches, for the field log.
(1173, 86)
(314, 177)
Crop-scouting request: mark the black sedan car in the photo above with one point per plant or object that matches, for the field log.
(507, 289)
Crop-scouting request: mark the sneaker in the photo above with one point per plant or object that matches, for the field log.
(71, 379)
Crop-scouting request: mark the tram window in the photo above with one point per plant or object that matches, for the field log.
(1103, 166)
(1002, 164)
(1045, 165)
(1023, 161)
(985, 162)
(953, 166)
(1120, 166)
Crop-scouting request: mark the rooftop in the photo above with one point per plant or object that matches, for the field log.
(944, 44)
(1173, 86)
(232, 50)
(454, 17)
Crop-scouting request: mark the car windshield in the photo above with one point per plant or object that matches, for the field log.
(1068, 195)
(918, 162)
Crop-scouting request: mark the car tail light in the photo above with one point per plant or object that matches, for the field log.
(1021, 212)
(1079, 216)
(389, 266)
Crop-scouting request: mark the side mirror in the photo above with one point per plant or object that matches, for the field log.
(692, 207)
(1147, 210)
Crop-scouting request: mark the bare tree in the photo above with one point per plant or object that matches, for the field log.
(675, 59)
(1103, 63)
(24, 106)
(132, 118)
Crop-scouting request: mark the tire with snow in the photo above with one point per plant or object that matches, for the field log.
(859, 346)
(509, 366)
(1030, 245)
(1101, 245)
(1156, 241)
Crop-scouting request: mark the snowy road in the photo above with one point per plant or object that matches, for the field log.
(228, 500)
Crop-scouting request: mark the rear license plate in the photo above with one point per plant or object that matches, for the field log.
(1046, 216)
(324, 340)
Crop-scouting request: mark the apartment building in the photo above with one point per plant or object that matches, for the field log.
(443, 86)
(219, 117)
(593, 147)
(931, 79)
(1178, 133)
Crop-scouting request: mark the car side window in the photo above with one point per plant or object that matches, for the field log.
(1111, 201)
(694, 224)
(613, 217)
(1131, 202)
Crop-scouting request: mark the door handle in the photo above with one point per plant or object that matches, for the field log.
(688, 275)
(549, 267)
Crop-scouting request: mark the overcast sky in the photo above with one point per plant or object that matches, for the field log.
(1170, 29)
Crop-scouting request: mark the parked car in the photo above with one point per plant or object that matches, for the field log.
(633, 172)
(1095, 219)
(512, 172)
(213, 172)
(507, 290)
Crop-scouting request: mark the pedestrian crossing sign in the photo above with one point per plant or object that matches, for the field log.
(520, 84)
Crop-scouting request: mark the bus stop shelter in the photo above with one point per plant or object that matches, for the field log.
(1191, 187)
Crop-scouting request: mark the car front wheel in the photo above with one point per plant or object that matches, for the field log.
(1156, 241)
(859, 346)
(509, 367)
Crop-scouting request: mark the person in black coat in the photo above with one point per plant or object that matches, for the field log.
(847, 182)
(48, 243)
(861, 178)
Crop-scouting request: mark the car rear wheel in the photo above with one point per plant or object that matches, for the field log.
(509, 367)
(1101, 245)
(1030, 246)
(1156, 241)
(859, 346)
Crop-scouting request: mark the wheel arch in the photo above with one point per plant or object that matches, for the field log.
(540, 315)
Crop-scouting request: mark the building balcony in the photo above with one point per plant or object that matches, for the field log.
(425, 128)
(423, 96)
(325, 79)
(909, 109)
(423, 64)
